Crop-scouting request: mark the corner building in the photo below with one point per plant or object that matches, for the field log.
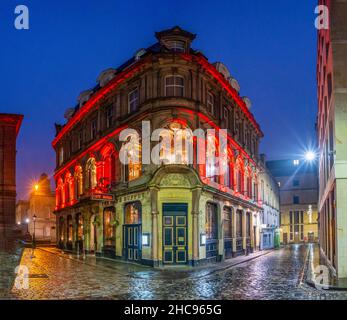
(332, 133)
(168, 214)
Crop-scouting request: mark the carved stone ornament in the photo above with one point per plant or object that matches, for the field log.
(174, 180)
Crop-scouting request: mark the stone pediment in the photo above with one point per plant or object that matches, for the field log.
(175, 180)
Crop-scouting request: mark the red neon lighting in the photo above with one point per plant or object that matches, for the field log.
(91, 149)
(225, 84)
(230, 139)
(92, 102)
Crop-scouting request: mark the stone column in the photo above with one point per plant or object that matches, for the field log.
(195, 224)
(65, 233)
(252, 233)
(155, 231)
(244, 229)
(233, 228)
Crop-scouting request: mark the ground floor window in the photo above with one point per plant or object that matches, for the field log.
(211, 225)
(109, 226)
(239, 224)
(69, 228)
(133, 213)
(227, 222)
(248, 224)
(79, 223)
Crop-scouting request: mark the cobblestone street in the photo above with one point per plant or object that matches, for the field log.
(276, 275)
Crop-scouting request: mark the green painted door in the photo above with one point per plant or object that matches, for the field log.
(175, 233)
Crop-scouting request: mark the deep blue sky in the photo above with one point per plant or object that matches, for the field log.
(269, 47)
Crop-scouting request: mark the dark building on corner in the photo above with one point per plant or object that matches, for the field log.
(9, 128)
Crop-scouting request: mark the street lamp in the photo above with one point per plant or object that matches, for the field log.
(34, 220)
(27, 222)
(310, 156)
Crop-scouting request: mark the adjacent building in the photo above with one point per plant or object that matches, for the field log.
(270, 216)
(9, 128)
(298, 185)
(171, 212)
(332, 135)
(37, 213)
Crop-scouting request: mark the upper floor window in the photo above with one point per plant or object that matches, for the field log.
(109, 117)
(133, 100)
(210, 102)
(80, 140)
(176, 45)
(174, 86)
(296, 200)
(93, 129)
(296, 183)
(61, 155)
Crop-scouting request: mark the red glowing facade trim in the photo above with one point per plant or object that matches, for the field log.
(230, 139)
(92, 102)
(128, 73)
(93, 148)
(225, 84)
(12, 119)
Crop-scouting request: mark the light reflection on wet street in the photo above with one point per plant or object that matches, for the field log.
(273, 276)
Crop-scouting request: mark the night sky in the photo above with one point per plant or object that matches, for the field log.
(269, 47)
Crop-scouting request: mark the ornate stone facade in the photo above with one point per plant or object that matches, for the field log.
(172, 213)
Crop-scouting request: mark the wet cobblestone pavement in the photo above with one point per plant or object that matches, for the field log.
(276, 275)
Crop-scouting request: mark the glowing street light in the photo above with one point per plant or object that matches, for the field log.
(36, 187)
(310, 156)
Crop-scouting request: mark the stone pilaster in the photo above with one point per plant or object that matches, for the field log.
(155, 213)
(195, 224)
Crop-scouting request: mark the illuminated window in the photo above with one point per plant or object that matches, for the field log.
(177, 151)
(176, 45)
(109, 229)
(133, 213)
(91, 173)
(211, 154)
(296, 162)
(69, 229)
(79, 223)
(227, 222)
(174, 86)
(78, 180)
(133, 101)
(211, 222)
(61, 155)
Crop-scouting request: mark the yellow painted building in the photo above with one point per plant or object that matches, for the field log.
(298, 183)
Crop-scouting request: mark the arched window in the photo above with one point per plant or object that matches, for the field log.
(240, 177)
(78, 181)
(174, 86)
(179, 150)
(211, 155)
(109, 162)
(132, 213)
(60, 192)
(133, 169)
(91, 182)
(69, 194)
